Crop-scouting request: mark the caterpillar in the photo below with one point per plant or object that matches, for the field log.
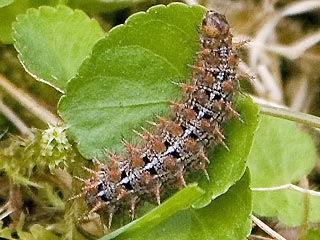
(177, 146)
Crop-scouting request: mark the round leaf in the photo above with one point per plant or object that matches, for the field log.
(52, 42)
(280, 155)
(128, 78)
(9, 10)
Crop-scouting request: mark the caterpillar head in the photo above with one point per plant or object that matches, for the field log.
(214, 24)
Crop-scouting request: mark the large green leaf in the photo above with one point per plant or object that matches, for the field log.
(4, 3)
(52, 42)
(9, 9)
(227, 217)
(128, 78)
(313, 234)
(280, 155)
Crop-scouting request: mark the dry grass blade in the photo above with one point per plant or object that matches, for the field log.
(24, 130)
(266, 228)
(296, 49)
(289, 187)
(28, 102)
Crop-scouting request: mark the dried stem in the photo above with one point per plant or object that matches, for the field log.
(5, 211)
(266, 228)
(291, 115)
(288, 187)
(28, 102)
(270, 84)
(252, 236)
(14, 119)
(295, 50)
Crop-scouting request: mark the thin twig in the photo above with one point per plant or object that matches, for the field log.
(266, 31)
(303, 229)
(266, 228)
(5, 210)
(296, 49)
(301, 95)
(291, 115)
(288, 187)
(6, 213)
(262, 101)
(271, 85)
(28, 102)
(12, 117)
(300, 7)
(252, 236)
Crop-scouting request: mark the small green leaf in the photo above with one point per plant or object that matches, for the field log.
(9, 9)
(313, 234)
(52, 42)
(40, 232)
(5, 232)
(128, 78)
(4, 3)
(103, 5)
(227, 217)
(37, 232)
(280, 155)
(314, 209)
(180, 200)
(290, 206)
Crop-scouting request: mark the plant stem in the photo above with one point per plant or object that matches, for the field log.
(288, 186)
(28, 102)
(266, 228)
(12, 117)
(291, 115)
(252, 236)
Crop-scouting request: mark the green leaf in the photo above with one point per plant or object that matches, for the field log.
(103, 5)
(37, 232)
(280, 155)
(313, 234)
(5, 232)
(9, 9)
(227, 217)
(227, 167)
(128, 78)
(4, 3)
(314, 208)
(180, 200)
(40, 232)
(291, 207)
(52, 42)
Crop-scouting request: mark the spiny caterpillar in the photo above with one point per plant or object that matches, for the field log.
(178, 144)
